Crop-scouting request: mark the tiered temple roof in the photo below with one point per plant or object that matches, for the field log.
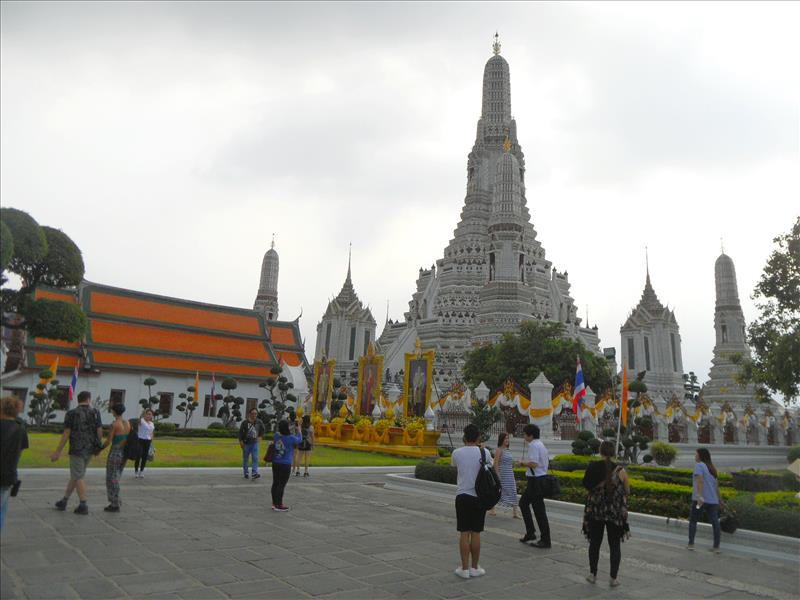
(139, 331)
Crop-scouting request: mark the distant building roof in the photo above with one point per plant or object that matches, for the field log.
(139, 331)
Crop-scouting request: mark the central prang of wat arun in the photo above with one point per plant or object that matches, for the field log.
(494, 273)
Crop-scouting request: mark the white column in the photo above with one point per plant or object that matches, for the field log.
(541, 398)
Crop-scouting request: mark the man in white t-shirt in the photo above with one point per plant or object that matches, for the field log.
(470, 516)
(536, 459)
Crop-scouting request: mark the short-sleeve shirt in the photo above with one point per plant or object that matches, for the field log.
(82, 421)
(250, 432)
(538, 454)
(710, 495)
(10, 447)
(467, 461)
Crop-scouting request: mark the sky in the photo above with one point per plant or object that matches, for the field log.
(171, 140)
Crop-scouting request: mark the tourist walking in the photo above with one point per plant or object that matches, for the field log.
(470, 515)
(535, 458)
(303, 452)
(117, 438)
(504, 466)
(606, 509)
(144, 437)
(251, 432)
(705, 496)
(83, 427)
(12, 439)
(284, 443)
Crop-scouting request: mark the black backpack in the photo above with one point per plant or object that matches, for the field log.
(487, 485)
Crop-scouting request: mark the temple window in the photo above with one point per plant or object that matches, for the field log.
(328, 340)
(646, 353)
(631, 354)
(352, 351)
(724, 333)
(165, 404)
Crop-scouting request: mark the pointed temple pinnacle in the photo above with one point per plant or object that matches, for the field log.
(721, 246)
(349, 256)
(496, 45)
(273, 242)
(507, 145)
(647, 262)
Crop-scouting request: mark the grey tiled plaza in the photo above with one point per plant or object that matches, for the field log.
(210, 534)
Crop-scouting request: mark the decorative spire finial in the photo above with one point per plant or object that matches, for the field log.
(647, 262)
(721, 245)
(496, 45)
(273, 242)
(507, 145)
(349, 256)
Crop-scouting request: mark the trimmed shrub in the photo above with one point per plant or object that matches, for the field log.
(763, 518)
(585, 435)
(430, 471)
(164, 427)
(647, 458)
(793, 454)
(780, 500)
(445, 452)
(217, 425)
(753, 480)
(663, 453)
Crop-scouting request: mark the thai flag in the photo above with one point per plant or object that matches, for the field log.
(73, 385)
(579, 391)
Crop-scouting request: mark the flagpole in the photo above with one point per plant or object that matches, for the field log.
(619, 419)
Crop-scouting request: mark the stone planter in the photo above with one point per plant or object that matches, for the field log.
(396, 436)
(431, 438)
(347, 432)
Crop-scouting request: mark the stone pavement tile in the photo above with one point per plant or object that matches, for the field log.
(123, 549)
(243, 571)
(370, 570)
(355, 558)
(150, 562)
(151, 583)
(695, 588)
(96, 589)
(328, 560)
(205, 558)
(114, 566)
(268, 588)
(270, 551)
(212, 576)
(385, 578)
(325, 583)
(202, 593)
(734, 595)
(368, 593)
(24, 558)
(243, 554)
(418, 568)
(56, 574)
(59, 591)
(445, 586)
(403, 590)
(286, 567)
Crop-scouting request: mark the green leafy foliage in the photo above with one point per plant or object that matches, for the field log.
(55, 319)
(61, 266)
(188, 405)
(165, 427)
(781, 500)
(30, 243)
(279, 399)
(6, 246)
(230, 412)
(753, 480)
(793, 454)
(484, 417)
(44, 400)
(765, 518)
(663, 453)
(152, 401)
(538, 347)
(775, 336)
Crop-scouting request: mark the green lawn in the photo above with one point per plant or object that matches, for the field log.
(206, 452)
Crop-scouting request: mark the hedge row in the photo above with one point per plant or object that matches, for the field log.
(765, 518)
(780, 500)
(752, 480)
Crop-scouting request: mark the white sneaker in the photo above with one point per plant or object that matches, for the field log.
(690, 546)
(477, 571)
(591, 578)
(614, 582)
(463, 573)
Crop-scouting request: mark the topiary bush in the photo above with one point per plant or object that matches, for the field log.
(647, 458)
(216, 425)
(793, 454)
(780, 500)
(664, 454)
(753, 480)
(164, 427)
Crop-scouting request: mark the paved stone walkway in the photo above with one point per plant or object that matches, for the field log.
(185, 534)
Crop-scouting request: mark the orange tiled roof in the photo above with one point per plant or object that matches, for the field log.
(135, 330)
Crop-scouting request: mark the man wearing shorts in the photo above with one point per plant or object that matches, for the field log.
(84, 430)
(469, 514)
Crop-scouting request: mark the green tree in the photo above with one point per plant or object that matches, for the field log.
(538, 347)
(279, 388)
(188, 405)
(230, 412)
(775, 335)
(484, 417)
(41, 255)
(6, 247)
(44, 400)
(152, 401)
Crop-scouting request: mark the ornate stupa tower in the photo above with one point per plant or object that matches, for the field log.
(267, 297)
(731, 339)
(346, 330)
(651, 342)
(494, 274)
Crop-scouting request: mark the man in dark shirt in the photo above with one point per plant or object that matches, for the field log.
(251, 432)
(11, 435)
(21, 411)
(84, 430)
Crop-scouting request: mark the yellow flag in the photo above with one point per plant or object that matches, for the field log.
(623, 413)
(53, 370)
(197, 387)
